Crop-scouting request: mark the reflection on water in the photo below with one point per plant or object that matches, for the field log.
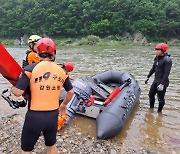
(152, 126)
(144, 128)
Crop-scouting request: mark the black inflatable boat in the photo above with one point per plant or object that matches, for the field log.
(108, 96)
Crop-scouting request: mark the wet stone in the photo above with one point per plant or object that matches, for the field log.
(89, 143)
(112, 151)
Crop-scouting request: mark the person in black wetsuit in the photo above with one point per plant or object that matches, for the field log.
(161, 67)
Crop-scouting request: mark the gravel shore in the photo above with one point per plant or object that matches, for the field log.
(69, 140)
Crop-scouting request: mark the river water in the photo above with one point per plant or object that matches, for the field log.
(145, 127)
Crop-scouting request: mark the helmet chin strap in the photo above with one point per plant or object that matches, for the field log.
(164, 52)
(52, 58)
(47, 58)
(32, 48)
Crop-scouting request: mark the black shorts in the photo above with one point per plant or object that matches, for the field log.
(35, 123)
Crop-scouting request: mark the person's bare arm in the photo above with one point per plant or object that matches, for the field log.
(63, 106)
(17, 92)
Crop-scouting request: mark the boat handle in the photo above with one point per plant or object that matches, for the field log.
(123, 117)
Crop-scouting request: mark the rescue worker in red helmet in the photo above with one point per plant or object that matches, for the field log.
(161, 67)
(46, 80)
(68, 67)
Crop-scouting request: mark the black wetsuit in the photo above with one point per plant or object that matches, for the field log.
(161, 68)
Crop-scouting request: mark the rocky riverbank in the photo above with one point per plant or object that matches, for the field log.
(69, 140)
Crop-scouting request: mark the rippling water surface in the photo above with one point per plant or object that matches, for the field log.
(145, 127)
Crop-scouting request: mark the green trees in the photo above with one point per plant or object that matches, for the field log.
(73, 18)
(172, 12)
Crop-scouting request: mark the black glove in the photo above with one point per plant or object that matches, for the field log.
(146, 81)
(18, 104)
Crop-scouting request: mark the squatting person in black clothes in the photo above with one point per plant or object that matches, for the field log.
(161, 67)
(46, 80)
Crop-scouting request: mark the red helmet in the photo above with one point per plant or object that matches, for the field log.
(161, 46)
(46, 45)
(69, 66)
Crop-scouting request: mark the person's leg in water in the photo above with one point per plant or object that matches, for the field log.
(152, 93)
(160, 95)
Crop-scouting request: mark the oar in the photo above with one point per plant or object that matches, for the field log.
(98, 90)
(105, 87)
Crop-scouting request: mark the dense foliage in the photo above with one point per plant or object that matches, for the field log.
(73, 18)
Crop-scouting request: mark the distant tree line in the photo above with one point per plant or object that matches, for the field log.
(74, 18)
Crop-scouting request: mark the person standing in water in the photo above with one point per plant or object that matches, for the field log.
(161, 67)
(46, 80)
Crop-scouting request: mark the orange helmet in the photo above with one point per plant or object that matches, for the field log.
(46, 45)
(69, 66)
(161, 46)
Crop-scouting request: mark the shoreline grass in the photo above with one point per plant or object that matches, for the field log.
(92, 40)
